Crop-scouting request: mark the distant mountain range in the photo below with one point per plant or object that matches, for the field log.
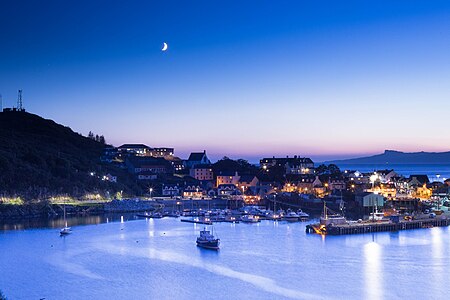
(398, 157)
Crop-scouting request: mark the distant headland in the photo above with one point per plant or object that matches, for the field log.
(398, 157)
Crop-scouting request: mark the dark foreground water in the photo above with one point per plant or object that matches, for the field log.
(158, 259)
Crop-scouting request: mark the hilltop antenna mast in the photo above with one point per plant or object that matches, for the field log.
(19, 101)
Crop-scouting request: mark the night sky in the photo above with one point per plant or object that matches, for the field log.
(326, 79)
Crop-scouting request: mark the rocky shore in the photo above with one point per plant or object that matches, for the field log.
(43, 210)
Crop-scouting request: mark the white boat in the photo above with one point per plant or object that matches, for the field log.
(291, 217)
(66, 229)
(249, 219)
(302, 215)
(207, 240)
(270, 215)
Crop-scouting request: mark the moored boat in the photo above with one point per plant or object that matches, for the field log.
(291, 217)
(207, 240)
(66, 230)
(249, 219)
(302, 215)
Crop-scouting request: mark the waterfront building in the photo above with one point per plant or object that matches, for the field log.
(193, 191)
(227, 190)
(134, 149)
(335, 183)
(202, 172)
(387, 190)
(404, 205)
(248, 182)
(225, 177)
(171, 190)
(265, 188)
(162, 152)
(292, 165)
(155, 165)
(386, 176)
(370, 202)
(422, 192)
(301, 183)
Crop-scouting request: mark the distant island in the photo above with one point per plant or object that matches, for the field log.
(398, 157)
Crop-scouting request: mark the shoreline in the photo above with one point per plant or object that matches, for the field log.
(12, 212)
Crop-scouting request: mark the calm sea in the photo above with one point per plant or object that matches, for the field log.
(434, 172)
(158, 259)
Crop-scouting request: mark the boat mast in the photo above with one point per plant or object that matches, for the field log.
(325, 211)
(64, 207)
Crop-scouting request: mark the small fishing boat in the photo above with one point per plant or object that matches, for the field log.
(207, 240)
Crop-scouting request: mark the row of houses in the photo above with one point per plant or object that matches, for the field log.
(291, 165)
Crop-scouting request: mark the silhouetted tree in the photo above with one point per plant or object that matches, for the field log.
(91, 135)
(333, 169)
(321, 169)
(102, 140)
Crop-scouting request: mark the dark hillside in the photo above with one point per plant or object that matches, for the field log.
(40, 158)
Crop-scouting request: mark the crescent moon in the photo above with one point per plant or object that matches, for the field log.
(165, 46)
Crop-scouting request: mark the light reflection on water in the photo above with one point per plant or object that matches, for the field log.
(373, 273)
(158, 259)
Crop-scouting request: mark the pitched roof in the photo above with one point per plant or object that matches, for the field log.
(246, 178)
(420, 178)
(196, 156)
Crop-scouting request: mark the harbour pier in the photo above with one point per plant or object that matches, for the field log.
(366, 227)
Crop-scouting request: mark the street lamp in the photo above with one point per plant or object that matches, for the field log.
(150, 190)
(373, 178)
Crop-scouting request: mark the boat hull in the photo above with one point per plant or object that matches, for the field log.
(213, 245)
(65, 231)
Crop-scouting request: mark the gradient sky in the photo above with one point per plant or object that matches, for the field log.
(326, 79)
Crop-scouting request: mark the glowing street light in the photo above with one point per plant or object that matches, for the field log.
(373, 178)
(150, 190)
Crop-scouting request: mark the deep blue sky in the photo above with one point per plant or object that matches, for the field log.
(241, 78)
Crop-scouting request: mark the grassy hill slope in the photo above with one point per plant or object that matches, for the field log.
(40, 158)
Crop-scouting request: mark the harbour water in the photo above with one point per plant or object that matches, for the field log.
(158, 259)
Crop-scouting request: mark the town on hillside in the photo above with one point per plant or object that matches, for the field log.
(292, 182)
